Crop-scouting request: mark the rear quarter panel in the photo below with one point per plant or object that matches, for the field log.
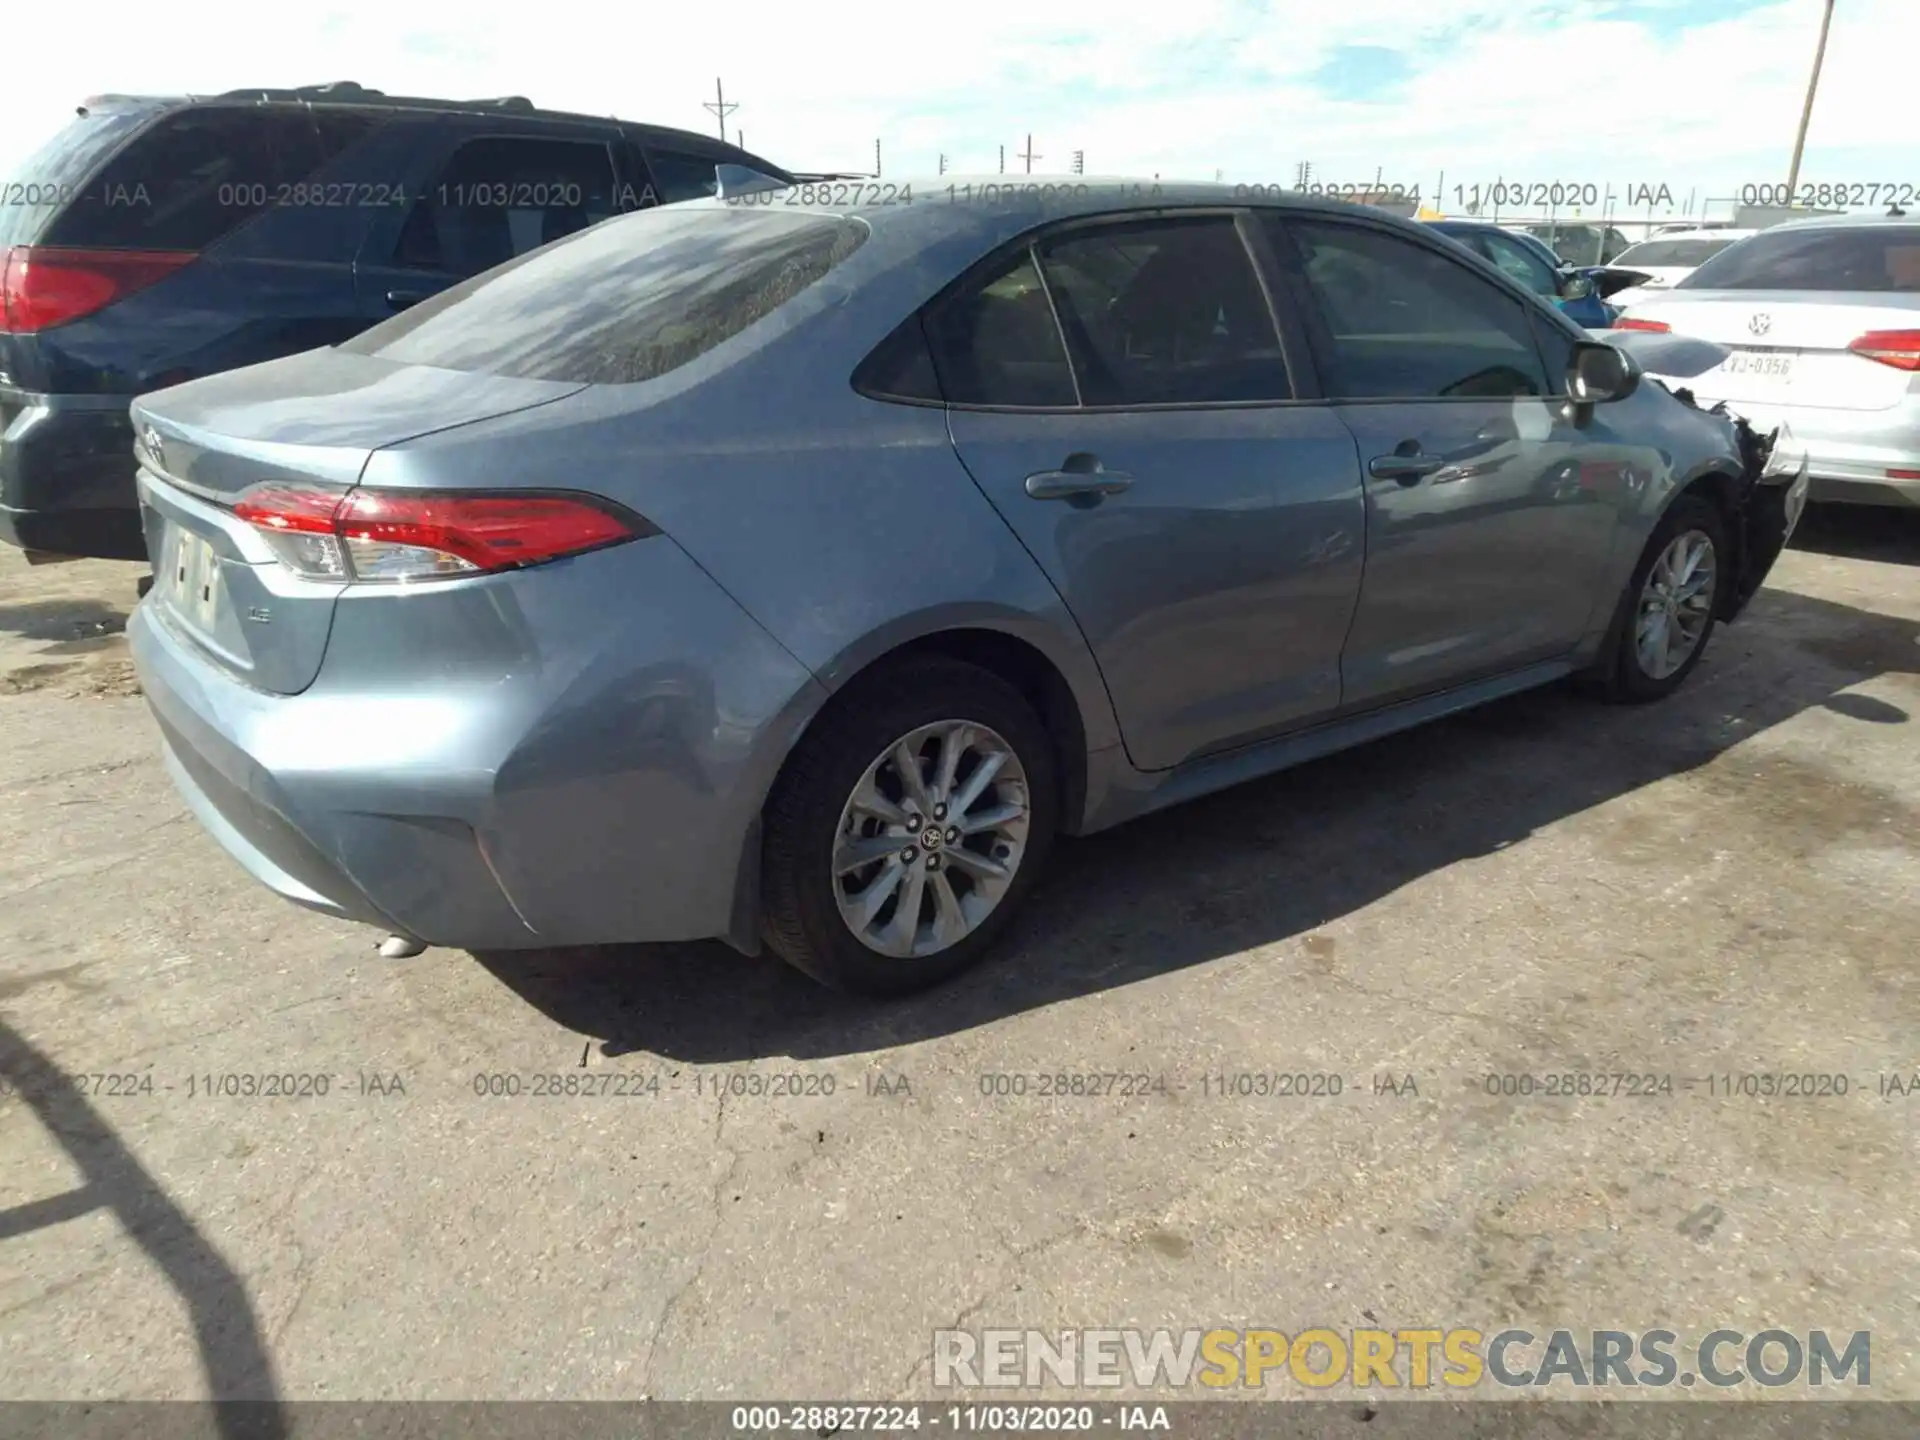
(846, 526)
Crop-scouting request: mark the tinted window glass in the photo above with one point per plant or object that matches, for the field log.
(503, 196)
(624, 302)
(1403, 322)
(1670, 252)
(900, 368)
(997, 343)
(1515, 259)
(199, 174)
(59, 171)
(1879, 258)
(1165, 312)
(679, 176)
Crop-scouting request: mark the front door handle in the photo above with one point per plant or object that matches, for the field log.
(401, 299)
(1407, 469)
(1092, 479)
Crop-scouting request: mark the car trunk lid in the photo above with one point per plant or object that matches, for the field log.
(309, 421)
(1791, 348)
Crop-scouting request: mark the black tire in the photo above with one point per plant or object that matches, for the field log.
(1620, 678)
(800, 918)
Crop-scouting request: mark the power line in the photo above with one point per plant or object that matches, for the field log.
(719, 106)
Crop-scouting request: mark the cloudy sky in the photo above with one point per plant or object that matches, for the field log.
(1699, 95)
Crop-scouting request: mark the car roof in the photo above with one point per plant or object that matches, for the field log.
(350, 95)
(1843, 222)
(1704, 233)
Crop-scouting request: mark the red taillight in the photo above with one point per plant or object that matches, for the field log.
(42, 287)
(1898, 348)
(414, 535)
(1627, 322)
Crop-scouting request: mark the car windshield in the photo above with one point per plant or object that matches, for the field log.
(1868, 258)
(1674, 253)
(626, 300)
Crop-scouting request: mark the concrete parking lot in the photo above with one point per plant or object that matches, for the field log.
(1722, 886)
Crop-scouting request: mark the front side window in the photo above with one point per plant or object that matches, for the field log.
(1400, 321)
(502, 196)
(1165, 312)
(624, 302)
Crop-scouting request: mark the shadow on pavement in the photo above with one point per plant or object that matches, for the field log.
(1270, 860)
(1861, 532)
(233, 1353)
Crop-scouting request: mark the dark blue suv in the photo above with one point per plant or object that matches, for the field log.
(157, 240)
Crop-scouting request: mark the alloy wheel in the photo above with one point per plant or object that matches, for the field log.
(1676, 604)
(931, 838)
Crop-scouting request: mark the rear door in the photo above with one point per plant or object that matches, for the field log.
(1120, 394)
(1485, 540)
(488, 196)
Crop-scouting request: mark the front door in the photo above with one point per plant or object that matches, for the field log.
(1485, 540)
(1130, 416)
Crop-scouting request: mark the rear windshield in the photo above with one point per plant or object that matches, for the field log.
(627, 300)
(59, 171)
(1870, 258)
(1671, 252)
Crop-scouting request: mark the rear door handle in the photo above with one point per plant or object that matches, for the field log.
(1065, 484)
(1407, 469)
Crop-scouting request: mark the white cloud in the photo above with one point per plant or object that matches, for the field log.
(1532, 89)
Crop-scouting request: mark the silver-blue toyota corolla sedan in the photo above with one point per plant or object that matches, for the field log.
(792, 568)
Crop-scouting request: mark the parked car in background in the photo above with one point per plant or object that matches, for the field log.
(1668, 258)
(1528, 260)
(1580, 245)
(163, 239)
(1823, 321)
(784, 571)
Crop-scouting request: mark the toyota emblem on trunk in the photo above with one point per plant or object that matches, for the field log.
(1760, 324)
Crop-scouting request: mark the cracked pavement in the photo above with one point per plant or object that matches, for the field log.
(1728, 883)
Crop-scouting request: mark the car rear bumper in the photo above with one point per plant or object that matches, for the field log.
(492, 766)
(66, 475)
(1853, 455)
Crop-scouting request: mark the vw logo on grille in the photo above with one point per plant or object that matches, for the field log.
(1760, 324)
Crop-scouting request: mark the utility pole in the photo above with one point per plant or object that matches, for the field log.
(1302, 173)
(876, 159)
(1028, 154)
(1806, 110)
(1079, 162)
(720, 107)
(1003, 159)
(943, 164)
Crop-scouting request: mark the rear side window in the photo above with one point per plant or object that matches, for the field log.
(59, 171)
(1872, 258)
(624, 302)
(998, 343)
(199, 174)
(1521, 263)
(502, 196)
(1165, 312)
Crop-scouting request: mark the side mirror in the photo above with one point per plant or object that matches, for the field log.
(1598, 373)
(1575, 286)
